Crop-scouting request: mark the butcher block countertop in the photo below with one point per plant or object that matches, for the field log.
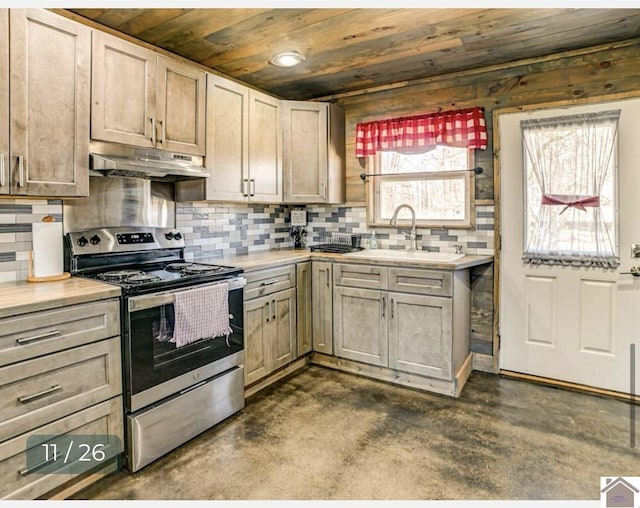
(269, 259)
(19, 297)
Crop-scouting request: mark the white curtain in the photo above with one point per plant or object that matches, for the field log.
(570, 205)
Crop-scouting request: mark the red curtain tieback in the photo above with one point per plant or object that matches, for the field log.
(571, 201)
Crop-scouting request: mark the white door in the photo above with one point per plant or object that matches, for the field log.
(574, 324)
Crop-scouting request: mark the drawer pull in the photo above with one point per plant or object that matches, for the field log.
(270, 282)
(28, 470)
(28, 398)
(42, 336)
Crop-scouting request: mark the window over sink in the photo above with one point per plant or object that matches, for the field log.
(437, 184)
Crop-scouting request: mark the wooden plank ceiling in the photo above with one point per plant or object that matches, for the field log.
(353, 49)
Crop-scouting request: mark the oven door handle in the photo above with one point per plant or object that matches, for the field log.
(159, 299)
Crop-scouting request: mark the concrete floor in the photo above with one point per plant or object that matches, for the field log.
(322, 434)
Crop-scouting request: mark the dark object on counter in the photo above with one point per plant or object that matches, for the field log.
(299, 237)
(338, 243)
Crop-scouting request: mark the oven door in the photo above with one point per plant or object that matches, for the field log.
(155, 368)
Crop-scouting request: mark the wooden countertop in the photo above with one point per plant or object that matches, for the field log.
(20, 297)
(269, 259)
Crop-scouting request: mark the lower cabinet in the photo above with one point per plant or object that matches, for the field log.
(421, 329)
(322, 305)
(270, 334)
(304, 308)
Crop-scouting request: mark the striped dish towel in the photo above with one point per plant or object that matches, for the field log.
(201, 313)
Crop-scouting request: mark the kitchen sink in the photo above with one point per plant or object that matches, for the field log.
(405, 255)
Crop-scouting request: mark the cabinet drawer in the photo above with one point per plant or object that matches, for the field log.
(360, 276)
(39, 391)
(272, 280)
(40, 333)
(102, 419)
(422, 282)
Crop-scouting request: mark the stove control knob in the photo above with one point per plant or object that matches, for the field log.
(95, 240)
(177, 236)
(169, 235)
(82, 241)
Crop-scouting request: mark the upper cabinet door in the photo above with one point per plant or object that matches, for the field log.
(123, 92)
(4, 101)
(265, 148)
(50, 61)
(305, 151)
(181, 107)
(227, 140)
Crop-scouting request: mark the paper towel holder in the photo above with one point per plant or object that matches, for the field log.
(49, 278)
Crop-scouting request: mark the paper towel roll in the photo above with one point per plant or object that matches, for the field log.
(47, 249)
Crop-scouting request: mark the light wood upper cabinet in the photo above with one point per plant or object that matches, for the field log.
(44, 140)
(123, 92)
(244, 146)
(181, 107)
(314, 149)
(144, 99)
(4, 101)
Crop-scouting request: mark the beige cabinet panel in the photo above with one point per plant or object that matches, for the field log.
(102, 419)
(38, 391)
(256, 339)
(420, 334)
(268, 281)
(181, 107)
(360, 325)
(265, 148)
(322, 306)
(50, 63)
(4, 101)
(227, 140)
(123, 92)
(361, 276)
(39, 333)
(304, 312)
(314, 148)
(283, 339)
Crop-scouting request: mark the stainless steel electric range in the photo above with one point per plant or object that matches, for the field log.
(172, 392)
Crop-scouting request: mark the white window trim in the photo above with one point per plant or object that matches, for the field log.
(373, 195)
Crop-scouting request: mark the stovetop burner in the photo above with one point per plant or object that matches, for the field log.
(177, 267)
(143, 278)
(196, 269)
(119, 275)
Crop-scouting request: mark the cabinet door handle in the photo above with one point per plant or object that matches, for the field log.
(327, 270)
(1, 169)
(34, 338)
(28, 470)
(392, 308)
(153, 131)
(268, 312)
(245, 187)
(253, 188)
(270, 282)
(273, 309)
(323, 190)
(28, 398)
(20, 171)
(162, 131)
(384, 306)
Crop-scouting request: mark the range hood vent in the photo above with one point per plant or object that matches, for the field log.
(107, 159)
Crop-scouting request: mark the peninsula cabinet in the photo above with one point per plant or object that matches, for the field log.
(144, 99)
(244, 146)
(413, 322)
(45, 71)
(269, 321)
(314, 152)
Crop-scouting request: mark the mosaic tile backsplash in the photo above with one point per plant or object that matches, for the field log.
(216, 230)
(16, 219)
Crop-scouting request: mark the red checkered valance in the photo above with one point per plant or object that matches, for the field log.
(417, 134)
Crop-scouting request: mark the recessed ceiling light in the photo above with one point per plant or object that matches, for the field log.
(287, 59)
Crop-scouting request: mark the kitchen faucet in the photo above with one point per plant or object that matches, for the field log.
(413, 245)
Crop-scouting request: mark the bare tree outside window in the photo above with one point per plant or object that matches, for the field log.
(436, 184)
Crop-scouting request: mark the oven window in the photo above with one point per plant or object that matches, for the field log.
(154, 358)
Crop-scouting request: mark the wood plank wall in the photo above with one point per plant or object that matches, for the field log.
(593, 74)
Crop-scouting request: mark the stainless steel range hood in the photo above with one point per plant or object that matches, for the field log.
(109, 159)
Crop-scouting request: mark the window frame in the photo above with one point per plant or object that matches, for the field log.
(373, 201)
